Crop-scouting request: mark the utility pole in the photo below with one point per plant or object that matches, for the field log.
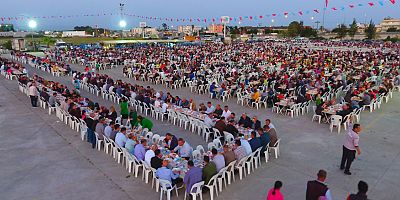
(121, 8)
(323, 16)
(317, 24)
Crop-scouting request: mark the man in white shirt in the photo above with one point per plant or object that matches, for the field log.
(268, 122)
(33, 94)
(164, 107)
(184, 149)
(218, 159)
(157, 103)
(150, 154)
(120, 138)
(246, 146)
(350, 147)
(226, 113)
(210, 108)
(208, 121)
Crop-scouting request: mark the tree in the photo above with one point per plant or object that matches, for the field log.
(8, 45)
(353, 28)
(48, 40)
(294, 29)
(370, 31)
(165, 26)
(308, 32)
(341, 31)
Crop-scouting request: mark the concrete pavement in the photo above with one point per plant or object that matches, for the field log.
(306, 147)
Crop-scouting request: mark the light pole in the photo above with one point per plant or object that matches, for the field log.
(32, 25)
(122, 24)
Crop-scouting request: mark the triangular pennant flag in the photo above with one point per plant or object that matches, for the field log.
(285, 13)
(351, 6)
(342, 8)
(381, 3)
(371, 4)
(326, 3)
(273, 15)
(360, 4)
(251, 17)
(300, 13)
(240, 18)
(261, 16)
(393, 1)
(334, 8)
(307, 12)
(316, 11)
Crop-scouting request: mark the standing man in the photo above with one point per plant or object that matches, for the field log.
(317, 188)
(350, 146)
(33, 94)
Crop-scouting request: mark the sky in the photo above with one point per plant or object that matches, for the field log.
(191, 9)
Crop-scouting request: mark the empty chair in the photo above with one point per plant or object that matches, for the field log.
(155, 138)
(212, 186)
(316, 116)
(336, 120)
(200, 148)
(196, 155)
(211, 146)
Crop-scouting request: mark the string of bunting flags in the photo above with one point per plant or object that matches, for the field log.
(205, 20)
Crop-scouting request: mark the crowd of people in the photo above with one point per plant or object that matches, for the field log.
(265, 71)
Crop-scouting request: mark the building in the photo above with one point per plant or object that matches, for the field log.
(6, 27)
(148, 31)
(189, 29)
(18, 34)
(74, 34)
(389, 23)
(216, 28)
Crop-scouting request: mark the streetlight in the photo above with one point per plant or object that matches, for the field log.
(32, 25)
(122, 24)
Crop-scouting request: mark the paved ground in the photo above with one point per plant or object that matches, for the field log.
(48, 155)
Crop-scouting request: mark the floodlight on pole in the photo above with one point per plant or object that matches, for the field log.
(122, 23)
(32, 24)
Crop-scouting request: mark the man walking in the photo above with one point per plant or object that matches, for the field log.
(317, 189)
(33, 94)
(350, 146)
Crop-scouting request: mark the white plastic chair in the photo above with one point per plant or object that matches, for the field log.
(336, 120)
(315, 116)
(211, 146)
(276, 148)
(166, 187)
(241, 167)
(230, 172)
(200, 148)
(217, 143)
(196, 155)
(212, 186)
(196, 190)
(155, 138)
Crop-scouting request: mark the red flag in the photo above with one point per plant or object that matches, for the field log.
(273, 14)
(2, 19)
(326, 3)
(316, 11)
(261, 16)
(300, 13)
(230, 18)
(213, 19)
(334, 8)
(205, 20)
(393, 1)
(240, 18)
(351, 6)
(371, 4)
(251, 17)
(285, 13)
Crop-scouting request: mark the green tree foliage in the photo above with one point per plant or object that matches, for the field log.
(48, 41)
(296, 29)
(341, 31)
(370, 31)
(353, 28)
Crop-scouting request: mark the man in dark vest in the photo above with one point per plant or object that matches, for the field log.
(317, 188)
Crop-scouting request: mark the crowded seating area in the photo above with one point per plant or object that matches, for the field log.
(170, 161)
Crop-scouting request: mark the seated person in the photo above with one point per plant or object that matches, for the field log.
(165, 173)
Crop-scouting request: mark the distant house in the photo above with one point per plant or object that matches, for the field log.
(74, 34)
